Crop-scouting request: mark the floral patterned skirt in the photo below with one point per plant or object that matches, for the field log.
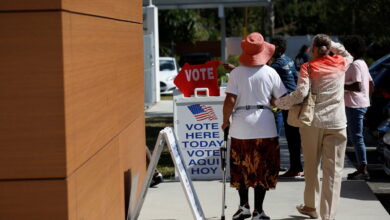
(254, 162)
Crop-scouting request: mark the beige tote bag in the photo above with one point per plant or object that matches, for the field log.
(302, 114)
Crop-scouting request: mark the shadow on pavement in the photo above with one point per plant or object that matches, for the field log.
(356, 190)
(293, 217)
(297, 179)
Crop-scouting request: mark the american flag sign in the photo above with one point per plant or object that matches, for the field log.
(202, 112)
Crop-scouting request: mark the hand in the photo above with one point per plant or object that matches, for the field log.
(273, 101)
(228, 66)
(225, 125)
(270, 61)
(336, 48)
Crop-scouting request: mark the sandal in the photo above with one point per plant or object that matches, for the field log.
(311, 212)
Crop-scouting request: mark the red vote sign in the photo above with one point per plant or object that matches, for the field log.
(205, 75)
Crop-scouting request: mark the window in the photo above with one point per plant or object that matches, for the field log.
(167, 65)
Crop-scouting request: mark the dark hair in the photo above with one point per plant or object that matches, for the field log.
(323, 42)
(355, 45)
(280, 44)
(303, 48)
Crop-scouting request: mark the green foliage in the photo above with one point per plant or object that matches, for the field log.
(370, 19)
(153, 126)
(186, 26)
(222, 72)
(178, 25)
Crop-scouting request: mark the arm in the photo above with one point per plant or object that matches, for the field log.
(283, 73)
(300, 92)
(295, 74)
(339, 49)
(228, 66)
(353, 78)
(354, 87)
(228, 106)
(371, 88)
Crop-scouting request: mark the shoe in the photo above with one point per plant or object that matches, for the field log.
(243, 212)
(311, 212)
(283, 169)
(358, 175)
(157, 179)
(291, 174)
(262, 216)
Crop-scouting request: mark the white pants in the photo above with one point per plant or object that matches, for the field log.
(328, 146)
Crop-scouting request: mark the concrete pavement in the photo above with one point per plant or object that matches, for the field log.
(163, 108)
(167, 200)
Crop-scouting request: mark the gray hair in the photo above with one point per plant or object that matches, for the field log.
(323, 42)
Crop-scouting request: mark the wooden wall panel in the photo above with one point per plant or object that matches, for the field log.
(103, 80)
(71, 100)
(33, 200)
(32, 133)
(130, 10)
(8, 5)
(132, 150)
(96, 188)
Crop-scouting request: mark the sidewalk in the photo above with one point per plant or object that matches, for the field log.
(168, 201)
(163, 108)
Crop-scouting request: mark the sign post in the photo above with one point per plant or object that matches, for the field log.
(167, 136)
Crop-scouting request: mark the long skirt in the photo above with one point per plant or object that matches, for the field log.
(254, 162)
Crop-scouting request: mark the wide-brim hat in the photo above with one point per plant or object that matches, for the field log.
(255, 51)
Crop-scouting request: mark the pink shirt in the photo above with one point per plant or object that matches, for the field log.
(358, 72)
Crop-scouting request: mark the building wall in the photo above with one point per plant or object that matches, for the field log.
(71, 119)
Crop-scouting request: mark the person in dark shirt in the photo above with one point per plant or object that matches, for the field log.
(285, 67)
(302, 57)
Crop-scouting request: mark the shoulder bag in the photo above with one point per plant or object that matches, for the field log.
(302, 114)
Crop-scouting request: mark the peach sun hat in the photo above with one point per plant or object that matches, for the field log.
(255, 51)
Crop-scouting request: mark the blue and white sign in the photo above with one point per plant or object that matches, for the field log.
(197, 125)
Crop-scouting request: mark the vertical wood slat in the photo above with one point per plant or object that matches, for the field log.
(34, 200)
(12, 5)
(96, 189)
(47, 94)
(103, 82)
(132, 151)
(98, 86)
(32, 130)
(118, 9)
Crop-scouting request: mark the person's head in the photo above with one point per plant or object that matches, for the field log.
(280, 45)
(355, 46)
(304, 49)
(255, 51)
(321, 45)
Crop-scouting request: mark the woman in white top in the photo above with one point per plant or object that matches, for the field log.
(325, 140)
(254, 157)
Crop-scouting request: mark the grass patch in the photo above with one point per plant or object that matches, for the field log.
(166, 97)
(153, 126)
